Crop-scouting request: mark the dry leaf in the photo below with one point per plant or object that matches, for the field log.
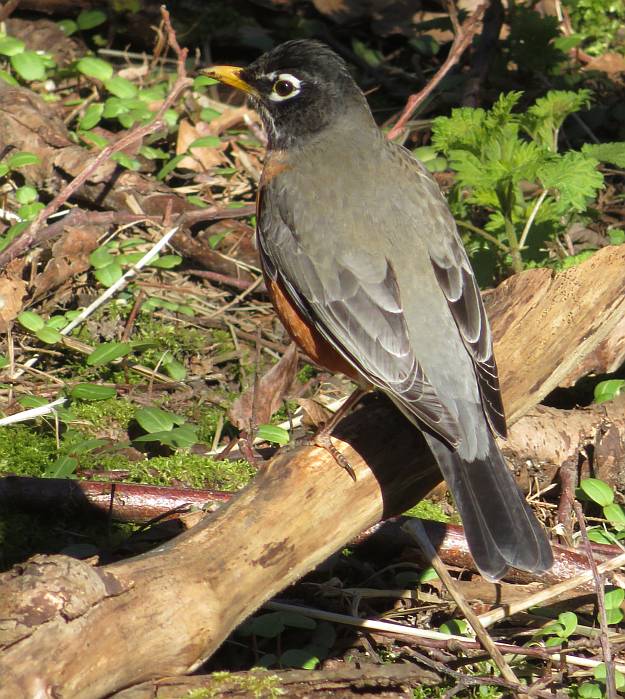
(315, 414)
(270, 390)
(12, 291)
(203, 158)
(70, 256)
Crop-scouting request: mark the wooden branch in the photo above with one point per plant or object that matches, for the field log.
(164, 612)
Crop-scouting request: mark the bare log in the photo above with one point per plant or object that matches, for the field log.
(164, 612)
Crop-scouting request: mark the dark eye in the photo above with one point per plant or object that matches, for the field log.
(283, 88)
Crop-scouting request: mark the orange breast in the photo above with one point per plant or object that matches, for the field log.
(307, 338)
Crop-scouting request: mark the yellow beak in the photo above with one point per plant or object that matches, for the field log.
(230, 75)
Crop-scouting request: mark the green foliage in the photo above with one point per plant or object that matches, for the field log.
(559, 631)
(608, 390)
(508, 170)
(598, 23)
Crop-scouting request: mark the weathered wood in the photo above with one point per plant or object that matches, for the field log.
(162, 613)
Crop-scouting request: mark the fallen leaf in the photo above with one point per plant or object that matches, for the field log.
(70, 256)
(270, 390)
(315, 415)
(12, 291)
(203, 158)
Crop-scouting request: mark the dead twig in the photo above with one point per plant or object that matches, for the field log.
(460, 44)
(610, 681)
(417, 531)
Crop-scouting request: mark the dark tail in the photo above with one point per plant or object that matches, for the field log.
(500, 527)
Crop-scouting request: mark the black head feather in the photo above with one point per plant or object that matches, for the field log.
(323, 89)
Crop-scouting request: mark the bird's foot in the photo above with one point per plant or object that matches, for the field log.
(323, 440)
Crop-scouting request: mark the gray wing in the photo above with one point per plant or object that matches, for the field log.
(356, 307)
(457, 281)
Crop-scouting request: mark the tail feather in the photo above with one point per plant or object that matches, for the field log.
(500, 527)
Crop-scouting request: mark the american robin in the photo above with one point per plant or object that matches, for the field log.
(367, 272)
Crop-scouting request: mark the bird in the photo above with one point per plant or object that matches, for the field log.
(366, 270)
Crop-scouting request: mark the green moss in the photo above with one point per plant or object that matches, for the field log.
(306, 373)
(223, 341)
(114, 412)
(426, 509)
(193, 470)
(26, 450)
(206, 419)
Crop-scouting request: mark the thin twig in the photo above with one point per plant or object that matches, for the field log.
(485, 234)
(425, 635)
(459, 46)
(550, 593)
(416, 529)
(603, 620)
(532, 216)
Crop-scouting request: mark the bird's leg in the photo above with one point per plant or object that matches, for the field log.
(322, 438)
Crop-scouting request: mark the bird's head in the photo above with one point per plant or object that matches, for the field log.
(298, 88)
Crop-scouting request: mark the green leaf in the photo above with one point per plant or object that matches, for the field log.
(49, 335)
(205, 142)
(597, 491)
(175, 369)
(613, 616)
(266, 625)
(273, 433)
(31, 321)
(88, 19)
(298, 621)
(599, 673)
(614, 598)
(574, 176)
(613, 152)
(21, 159)
(107, 276)
(96, 68)
(126, 161)
(168, 167)
(67, 26)
(113, 107)
(428, 575)
(28, 402)
(455, 627)
(153, 153)
(4, 169)
(590, 690)
(94, 139)
(615, 514)
(101, 257)
(156, 420)
(29, 65)
(608, 390)
(543, 119)
(299, 657)
(600, 536)
(28, 211)
(26, 194)
(63, 467)
(58, 322)
(617, 236)
(569, 623)
(166, 261)
(197, 201)
(4, 362)
(107, 352)
(10, 46)
(203, 81)
(208, 113)
(8, 78)
(90, 391)
(120, 87)
(12, 233)
(92, 116)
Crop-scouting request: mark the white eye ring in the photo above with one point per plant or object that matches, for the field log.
(285, 87)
